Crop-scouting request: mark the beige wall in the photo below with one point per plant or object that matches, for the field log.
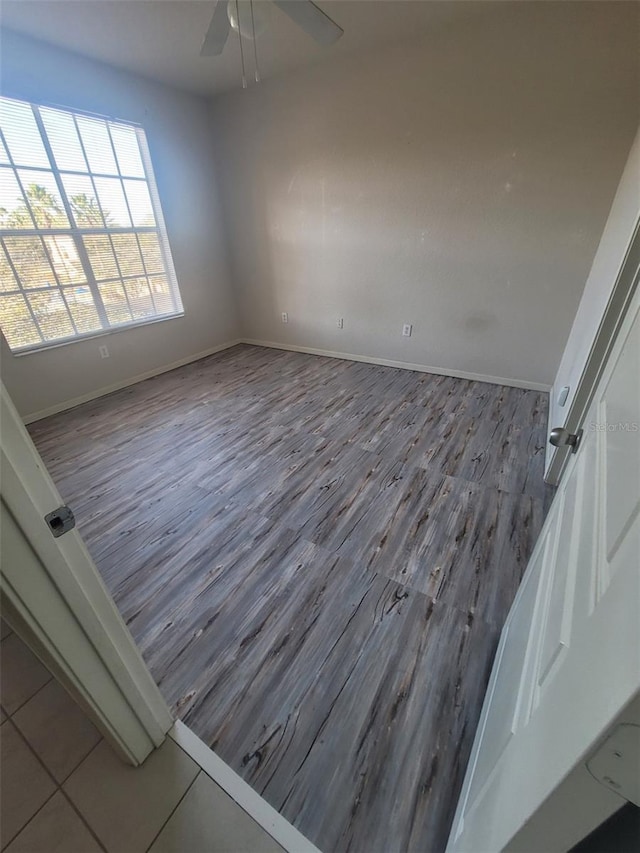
(459, 182)
(179, 140)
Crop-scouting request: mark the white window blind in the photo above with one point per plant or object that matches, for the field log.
(83, 247)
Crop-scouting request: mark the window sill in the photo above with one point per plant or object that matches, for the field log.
(39, 348)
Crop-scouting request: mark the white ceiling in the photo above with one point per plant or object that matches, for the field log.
(161, 39)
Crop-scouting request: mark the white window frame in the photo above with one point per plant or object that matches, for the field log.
(76, 233)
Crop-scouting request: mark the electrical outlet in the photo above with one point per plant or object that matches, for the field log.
(104, 352)
(341, 322)
(285, 317)
(407, 329)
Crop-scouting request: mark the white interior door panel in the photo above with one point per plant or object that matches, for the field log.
(568, 663)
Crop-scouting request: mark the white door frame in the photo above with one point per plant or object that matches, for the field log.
(601, 346)
(55, 599)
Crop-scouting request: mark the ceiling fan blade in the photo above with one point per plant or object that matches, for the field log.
(311, 19)
(218, 31)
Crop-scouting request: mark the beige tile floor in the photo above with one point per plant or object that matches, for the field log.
(65, 791)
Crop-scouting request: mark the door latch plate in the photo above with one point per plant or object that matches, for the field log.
(60, 521)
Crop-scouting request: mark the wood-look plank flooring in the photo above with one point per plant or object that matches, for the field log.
(315, 557)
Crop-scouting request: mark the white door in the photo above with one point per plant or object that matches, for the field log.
(54, 598)
(568, 663)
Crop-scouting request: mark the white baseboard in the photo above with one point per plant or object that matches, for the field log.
(116, 386)
(368, 359)
(404, 365)
(249, 800)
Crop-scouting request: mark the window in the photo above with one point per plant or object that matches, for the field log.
(83, 248)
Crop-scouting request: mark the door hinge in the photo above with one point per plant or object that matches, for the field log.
(615, 763)
(60, 521)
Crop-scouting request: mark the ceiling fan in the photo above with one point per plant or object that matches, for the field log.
(228, 14)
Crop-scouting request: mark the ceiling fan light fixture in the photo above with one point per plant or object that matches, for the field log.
(249, 19)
